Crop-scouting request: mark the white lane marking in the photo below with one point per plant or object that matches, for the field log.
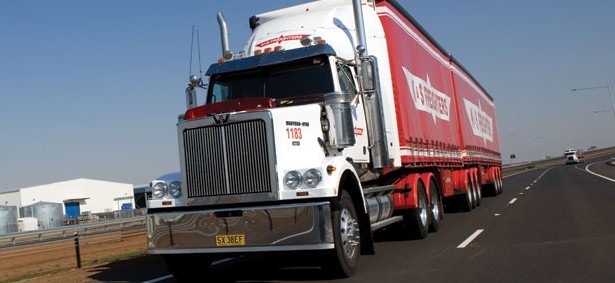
(596, 174)
(512, 201)
(220, 261)
(159, 279)
(527, 188)
(497, 214)
(470, 239)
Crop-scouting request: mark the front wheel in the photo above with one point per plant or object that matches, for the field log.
(345, 259)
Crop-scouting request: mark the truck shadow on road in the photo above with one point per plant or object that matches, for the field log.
(246, 268)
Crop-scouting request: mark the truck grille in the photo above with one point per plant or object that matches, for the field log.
(227, 160)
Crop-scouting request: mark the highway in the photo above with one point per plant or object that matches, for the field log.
(549, 225)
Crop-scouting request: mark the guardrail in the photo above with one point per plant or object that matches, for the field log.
(514, 168)
(28, 237)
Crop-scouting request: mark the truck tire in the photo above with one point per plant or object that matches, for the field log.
(415, 224)
(345, 257)
(491, 189)
(479, 193)
(499, 183)
(466, 200)
(436, 207)
(186, 267)
(474, 196)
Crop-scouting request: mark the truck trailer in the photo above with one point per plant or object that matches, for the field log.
(337, 119)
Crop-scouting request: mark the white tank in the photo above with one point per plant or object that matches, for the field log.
(8, 219)
(49, 214)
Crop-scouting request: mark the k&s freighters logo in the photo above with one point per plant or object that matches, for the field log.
(427, 98)
(482, 124)
(280, 39)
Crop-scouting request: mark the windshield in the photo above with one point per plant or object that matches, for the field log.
(300, 81)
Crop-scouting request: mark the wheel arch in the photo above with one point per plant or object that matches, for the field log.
(350, 183)
(426, 179)
(407, 198)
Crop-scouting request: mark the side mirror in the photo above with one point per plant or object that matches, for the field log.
(368, 74)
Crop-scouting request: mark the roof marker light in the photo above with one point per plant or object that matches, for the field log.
(306, 40)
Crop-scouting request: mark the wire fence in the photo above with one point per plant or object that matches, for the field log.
(64, 232)
(50, 256)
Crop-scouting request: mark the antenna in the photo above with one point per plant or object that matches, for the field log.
(194, 81)
(198, 44)
(191, 46)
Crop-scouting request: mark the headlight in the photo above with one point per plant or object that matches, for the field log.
(175, 189)
(159, 190)
(312, 178)
(293, 179)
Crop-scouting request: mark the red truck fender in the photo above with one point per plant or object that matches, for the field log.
(461, 181)
(491, 175)
(407, 197)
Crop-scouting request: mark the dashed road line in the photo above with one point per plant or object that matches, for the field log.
(470, 239)
(512, 201)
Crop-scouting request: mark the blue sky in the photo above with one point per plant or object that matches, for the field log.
(92, 89)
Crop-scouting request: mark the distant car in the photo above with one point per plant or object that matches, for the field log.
(166, 191)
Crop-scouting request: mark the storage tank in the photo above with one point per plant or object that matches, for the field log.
(27, 224)
(8, 219)
(49, 214)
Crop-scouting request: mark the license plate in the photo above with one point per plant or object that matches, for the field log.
(230, 240)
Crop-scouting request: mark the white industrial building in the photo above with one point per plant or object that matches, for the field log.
(68, 200)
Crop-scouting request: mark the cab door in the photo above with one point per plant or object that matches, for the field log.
(360, 151)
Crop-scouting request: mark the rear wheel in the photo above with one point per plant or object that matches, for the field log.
(345, 259)
(479, 194)
(498, 183)
(416, 221)
(466, 200)
(436, 208)
(474, 194)
(491, 189)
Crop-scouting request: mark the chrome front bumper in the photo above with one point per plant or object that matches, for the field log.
(305, 226)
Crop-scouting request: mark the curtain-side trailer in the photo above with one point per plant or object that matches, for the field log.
(338, 118)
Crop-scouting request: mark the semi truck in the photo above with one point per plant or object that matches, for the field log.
(573, 156)
(338, 119)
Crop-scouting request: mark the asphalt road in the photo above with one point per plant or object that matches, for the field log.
(549, 225)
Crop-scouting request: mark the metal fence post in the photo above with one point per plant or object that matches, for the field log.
(77, 253)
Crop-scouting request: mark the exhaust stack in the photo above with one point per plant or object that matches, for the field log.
(226, 50)
(360, 26)
(370, 89)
